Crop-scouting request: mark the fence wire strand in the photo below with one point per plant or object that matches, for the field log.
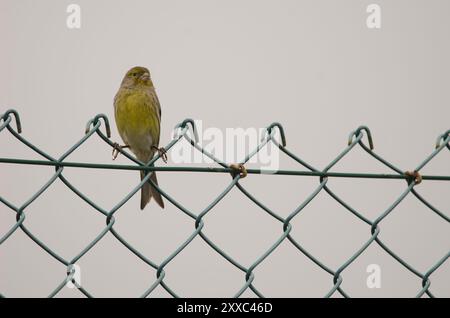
(186, 130)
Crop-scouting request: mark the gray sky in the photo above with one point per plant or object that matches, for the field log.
(313, 66)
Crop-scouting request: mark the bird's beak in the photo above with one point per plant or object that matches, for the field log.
(145, 76)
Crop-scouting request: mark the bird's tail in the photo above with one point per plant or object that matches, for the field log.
(148, 191)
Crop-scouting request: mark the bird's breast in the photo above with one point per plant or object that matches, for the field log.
(137, 120)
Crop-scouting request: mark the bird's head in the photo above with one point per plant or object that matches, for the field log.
(137, 76)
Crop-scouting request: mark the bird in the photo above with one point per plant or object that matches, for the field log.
(137, 113)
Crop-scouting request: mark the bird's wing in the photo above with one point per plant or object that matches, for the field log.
(158, 105)
(155, 103)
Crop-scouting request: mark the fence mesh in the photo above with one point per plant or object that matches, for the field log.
(187, 130)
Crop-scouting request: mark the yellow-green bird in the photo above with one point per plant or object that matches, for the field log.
(138, 119)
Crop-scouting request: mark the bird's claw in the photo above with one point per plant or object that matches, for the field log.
(117, 149)
(162, 153)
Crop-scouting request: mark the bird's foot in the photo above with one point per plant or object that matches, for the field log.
(117, 149)
(162, 153)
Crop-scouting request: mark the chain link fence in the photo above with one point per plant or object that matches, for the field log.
(187, 130)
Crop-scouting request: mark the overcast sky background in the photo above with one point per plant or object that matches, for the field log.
(313, 66)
